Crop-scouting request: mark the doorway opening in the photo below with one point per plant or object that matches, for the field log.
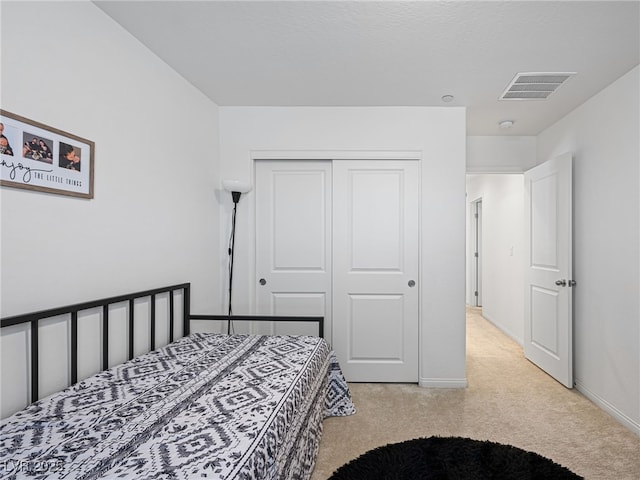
(495, 249)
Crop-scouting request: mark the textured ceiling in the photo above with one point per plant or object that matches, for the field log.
(363, 53)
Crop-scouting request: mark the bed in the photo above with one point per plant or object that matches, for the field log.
(204, 405)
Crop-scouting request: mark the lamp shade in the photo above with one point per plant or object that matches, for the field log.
(236, 186)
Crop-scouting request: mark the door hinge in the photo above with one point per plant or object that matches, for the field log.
(475, 254)
(475, 293)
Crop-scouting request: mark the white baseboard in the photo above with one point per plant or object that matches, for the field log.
(610, 409)
(443, 382)
(519, 341)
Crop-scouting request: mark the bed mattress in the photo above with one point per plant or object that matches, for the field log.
(205, 406)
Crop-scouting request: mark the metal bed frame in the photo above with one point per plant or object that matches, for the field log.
(104, 303)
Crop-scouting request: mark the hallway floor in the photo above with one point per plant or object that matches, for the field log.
(508, 400)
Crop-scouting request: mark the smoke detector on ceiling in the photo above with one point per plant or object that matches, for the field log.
(534, 85)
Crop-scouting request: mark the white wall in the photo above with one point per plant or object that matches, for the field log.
(500, 154)
(502, 252)
(603, 135)
(437, 134)
(153, 219)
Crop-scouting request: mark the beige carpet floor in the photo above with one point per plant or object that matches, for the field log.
(508, 400)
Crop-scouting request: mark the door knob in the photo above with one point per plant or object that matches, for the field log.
(411, 283)
(262, 281)
(561, 283)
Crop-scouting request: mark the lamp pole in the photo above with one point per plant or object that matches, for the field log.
(232, 241)
(237, 188)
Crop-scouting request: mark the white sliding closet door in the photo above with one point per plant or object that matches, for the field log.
(340, 239)
(375, 269)
(293, 242)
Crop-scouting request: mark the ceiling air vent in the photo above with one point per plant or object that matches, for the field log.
(534, 85)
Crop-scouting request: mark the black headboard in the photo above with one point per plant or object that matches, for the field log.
(104, 303)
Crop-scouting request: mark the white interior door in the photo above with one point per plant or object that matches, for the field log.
(548, 336)
(293, 243)
(375, 269)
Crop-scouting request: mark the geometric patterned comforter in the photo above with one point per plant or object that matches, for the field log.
(205, 406)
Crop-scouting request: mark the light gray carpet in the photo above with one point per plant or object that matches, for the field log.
(509, 400)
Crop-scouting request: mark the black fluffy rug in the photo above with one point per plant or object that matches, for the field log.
(451, 458)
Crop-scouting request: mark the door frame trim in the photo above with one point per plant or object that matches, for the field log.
(335, 155)
(476, 248)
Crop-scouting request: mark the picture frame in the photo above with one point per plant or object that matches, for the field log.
(38, 157)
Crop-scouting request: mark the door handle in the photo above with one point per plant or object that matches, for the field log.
(262, 281)
(561, 283)
(411, 283)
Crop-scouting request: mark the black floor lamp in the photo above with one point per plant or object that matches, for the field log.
(237, 188)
